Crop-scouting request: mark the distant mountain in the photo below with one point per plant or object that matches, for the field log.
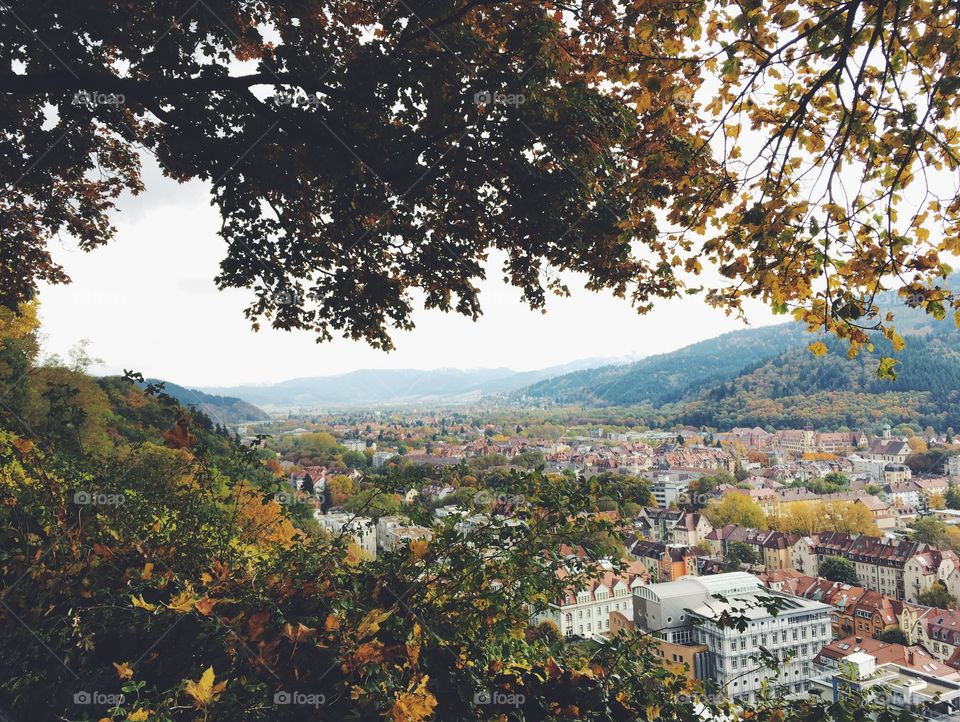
(668, 377)
(393, 386)
(222, 409)
(767, 377)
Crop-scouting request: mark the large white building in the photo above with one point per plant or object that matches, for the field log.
(361, 528)
(794, 637)
(687, 612)
(586, 613)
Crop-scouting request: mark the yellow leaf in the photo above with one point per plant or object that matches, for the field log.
(371, 623)
(418, 547)
(139, 716)
(203, 691)
(818, 348)
(414, 705)
(183, 602)
(138, 602)
(148, 570)
(124, 670)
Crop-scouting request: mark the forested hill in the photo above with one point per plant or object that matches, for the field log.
(669, 377)
(799, 389)
(768, 377)
(222, 409)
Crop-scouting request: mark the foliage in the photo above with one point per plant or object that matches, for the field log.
(894, 635)
(838, 569)
(736, 508)
(815, 516)
(937, 596)
(512, 127)
(740, 553)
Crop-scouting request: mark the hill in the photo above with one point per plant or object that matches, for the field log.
(392, 386)
(669, 377)
(768, 377)
(221, 409)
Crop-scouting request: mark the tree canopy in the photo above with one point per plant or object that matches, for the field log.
(367, 157)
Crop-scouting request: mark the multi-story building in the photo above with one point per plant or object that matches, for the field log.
(586, 612)
(396, 530)
(794, 635)
(361, 528)
(899, 687)
(665, 562)
(673, 526)
(938, 630)
(897, 569)
(953, 468)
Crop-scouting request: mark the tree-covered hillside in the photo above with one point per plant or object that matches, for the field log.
(669, 377)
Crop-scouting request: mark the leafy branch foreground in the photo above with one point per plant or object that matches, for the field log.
(194, 597)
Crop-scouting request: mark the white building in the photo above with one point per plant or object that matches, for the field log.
(668, 488)
(397, 530)
(587, 613)
(900, 688)
(361, 528)
(953, 468)
(354, 444)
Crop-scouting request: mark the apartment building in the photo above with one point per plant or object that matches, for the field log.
(360, 528)
(689, 611)
(898, 569)
(586, 612)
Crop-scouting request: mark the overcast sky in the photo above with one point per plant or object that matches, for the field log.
(147, 302)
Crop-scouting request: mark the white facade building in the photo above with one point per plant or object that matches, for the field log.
(587, 613)
(361, 528)
(795, 636)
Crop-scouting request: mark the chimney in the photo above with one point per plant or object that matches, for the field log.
(910, 657)
(858, 640)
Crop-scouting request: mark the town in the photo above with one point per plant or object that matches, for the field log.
(855, 536)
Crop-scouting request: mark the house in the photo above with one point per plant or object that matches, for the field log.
(913, 657)
(674, 526)
(585, 612)
(360, 528)
(665, 562)
(938, 630)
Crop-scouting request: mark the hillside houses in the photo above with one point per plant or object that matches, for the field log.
(672, 526)
(898, 569)
(664, 562)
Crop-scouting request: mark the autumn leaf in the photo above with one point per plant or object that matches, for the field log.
(371, 623)
(414, 705)
(332, 623)
(183, 602)
(140, 715)
(204, 691)
(140, 604)
(886, 368)
(124, 670)
(418, 547)
(147, 573)
(818, 348)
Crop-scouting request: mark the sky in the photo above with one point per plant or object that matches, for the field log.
(147, 302)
